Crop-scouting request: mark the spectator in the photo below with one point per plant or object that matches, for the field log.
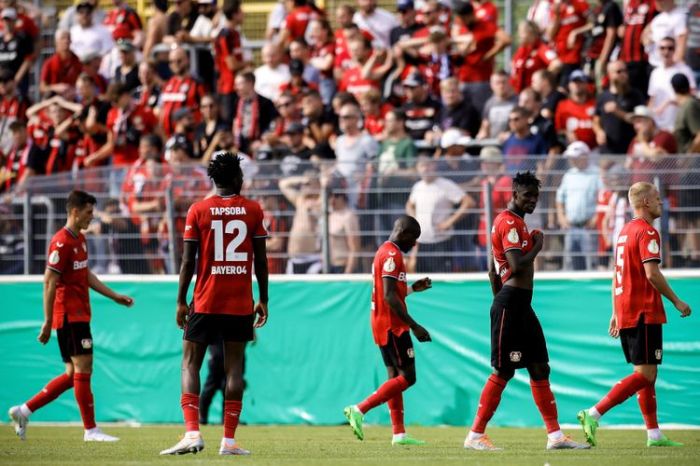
(294, 26)
(91, 68)
(568, 20)
(289, 112)
(180, 22)
(56, 133)
(124, 23)
(229, 58)
(692, 57)
(323, 56)
(661, 96)
(374, 113)
(209, 127)
(87, 36)
(69, 18)
(24, 23)
(531, 101)
(318, 120)
(297, 84)
(687, 124)
(523, 150)
(612, 122)
(606, 19)
(274, 20)
(272, 74)
(183, 134)
(148, 91)
(181, 91)
(157, 26)
(377, 21)
(437, 203)
(544, 83)
(422, 111)
(366, 68)
(253, 113)
(637, 16)
(297, 154)
(127, 72)
(353, 150)
(60, 72)
(344, 232)
(479, 40)
(22, 161)
(494, 124)
(576, 207)
(574, 116)
(92, 117)
(406, 11)
(669, 22)
(303, 247)
(13, 107)
(531, 55)
(485, 10)
(299, 50)
(201, 37)
(648, 147)
(456, 164)
(501, 185)
(16, 50)
(540, 12)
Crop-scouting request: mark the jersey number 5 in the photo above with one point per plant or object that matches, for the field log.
(236, 227)
(619, 265)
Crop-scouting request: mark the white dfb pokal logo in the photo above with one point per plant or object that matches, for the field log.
(515, 356)
(411, 354)
(657, 354)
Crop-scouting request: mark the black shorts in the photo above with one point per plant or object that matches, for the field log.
(212, 328)
(642, 344)
(74, 339)
(517, 339)
(398, 351)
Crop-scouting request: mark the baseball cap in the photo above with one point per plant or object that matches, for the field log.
(491, 154)
(642, 111)
(577, 149)
(89, 56)
(414, 80)
(296, 66)
(125, 45)
(294, 128)
(453, 137)
(9, 13)
(405, 5)
(579, 76)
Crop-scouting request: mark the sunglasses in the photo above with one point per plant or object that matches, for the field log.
(284, 104)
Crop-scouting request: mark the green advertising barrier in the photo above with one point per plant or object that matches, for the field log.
(316, 354)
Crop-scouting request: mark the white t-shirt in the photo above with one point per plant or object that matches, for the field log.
(96, 38)
(660, 90)
(434, 203)
(666, 24)
(268, 80)
(379, 23)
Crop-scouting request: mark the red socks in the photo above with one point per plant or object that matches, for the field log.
(50, 392)
(232, 412)
(647, 404)
(387, 391)
(190, 410)
(83, 395)
(396, 412)
(622, 390)
(490, 398)
(544, 399)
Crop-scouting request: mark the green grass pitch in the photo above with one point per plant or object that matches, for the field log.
(300, 445)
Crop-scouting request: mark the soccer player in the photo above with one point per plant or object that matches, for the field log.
(67, 309)
(638, 314)
(227, 230)
(517, 340)
(391, 327)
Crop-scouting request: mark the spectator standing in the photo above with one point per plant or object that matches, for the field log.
(669, 22)
(60, 72)
(303, 246)
(532, 55)
(378, 21)
(523, 150)
(494, 124)
(88, 36)
(13, 107)
(253, 113)
(344, 232)
(574, 116)
(692, 57)
(648, 147)
(606, 19)
(127, 72)
(23, 160)
(16, 50)
(272, 73)
(421, 110)
(148, 91)
(567, 19)
(124, 23)
(181, 91)
(323, 56)
(228, 54)
(456, 110)
(576, 207)
(637, 16)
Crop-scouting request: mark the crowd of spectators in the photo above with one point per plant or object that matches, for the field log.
(390, 111)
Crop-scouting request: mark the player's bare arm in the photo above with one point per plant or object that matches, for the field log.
(186, 273)
(494, 278)
(97, 285)
(398, 307)
(613, 329)
(261, 275)
(657, 279)
(421, 285)
(50, 281)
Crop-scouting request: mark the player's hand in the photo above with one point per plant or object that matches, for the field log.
(422, 284)
(261, 311)
(44, 333)
(537, 238)
(124, 300)
(181, 315)
(683, 308)
(421, 334)
(614, 330)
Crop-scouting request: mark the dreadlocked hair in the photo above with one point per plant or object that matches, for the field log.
(225, 168)
(526, 179)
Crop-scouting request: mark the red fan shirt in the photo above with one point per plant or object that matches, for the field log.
(140, 119)
(528, 59)
(635, 296)
(123, 22)
(509, 232)
(56, 70)
(572, 15)
(474, 67)
(353, 82)
(388, 262)
(68, 257)
(228, 43)
(224, 227)
(297, 21)
(577, 118)
(486, 11)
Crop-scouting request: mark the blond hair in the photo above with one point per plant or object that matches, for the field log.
(638, 192)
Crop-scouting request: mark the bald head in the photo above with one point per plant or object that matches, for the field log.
(179, 61)
(407, 224)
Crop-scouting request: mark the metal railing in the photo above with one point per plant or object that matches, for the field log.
(140, 214)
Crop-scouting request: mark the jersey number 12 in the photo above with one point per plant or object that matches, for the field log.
(236, 227)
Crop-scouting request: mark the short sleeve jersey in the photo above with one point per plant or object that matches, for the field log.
(224, 227)
(68, 257)
(635, 296)
(388, 262)
(509, 232)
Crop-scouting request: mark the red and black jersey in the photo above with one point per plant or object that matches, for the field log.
(177, 93)
(635, 296)
(224, 227)
(57, 70)
(509, 232)
(572, 15)
(637, 15)
(127, 128)
(68, 256)
(123, 22)
(388, 262)
(18, 159)
(227, 44)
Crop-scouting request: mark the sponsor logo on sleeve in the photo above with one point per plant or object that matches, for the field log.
(54, 257)
(411, 354)
(657, 354)
(389, 265)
